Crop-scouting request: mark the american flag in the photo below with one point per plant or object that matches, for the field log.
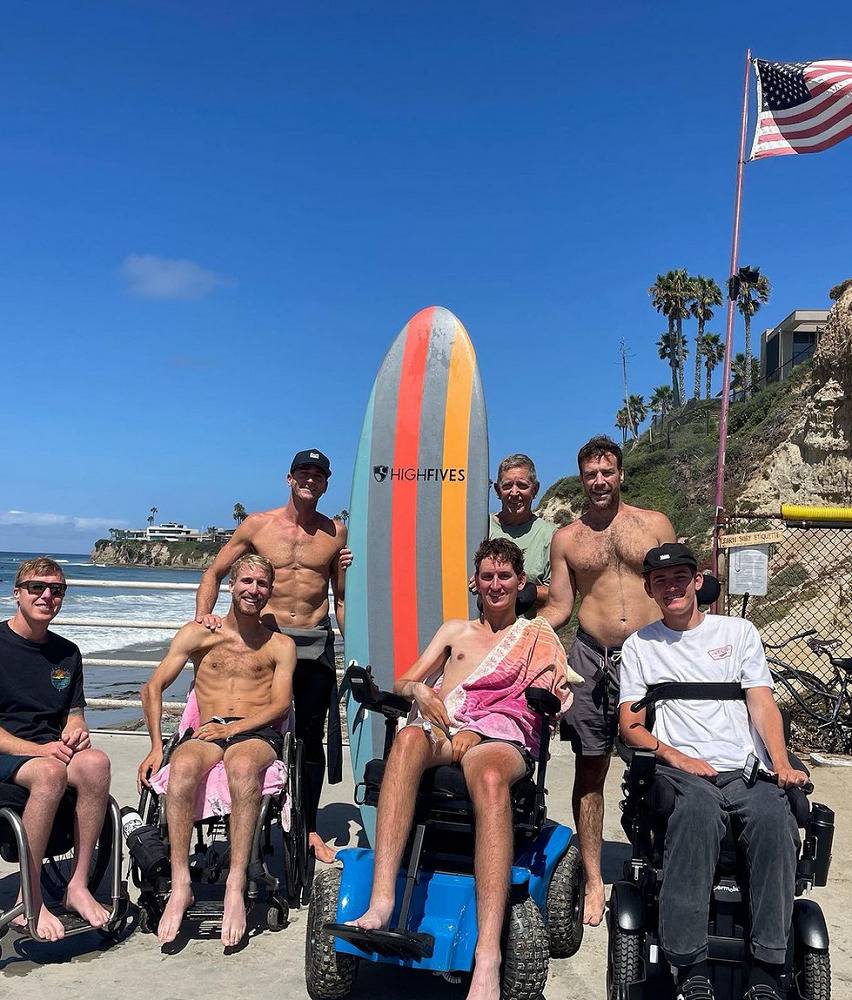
(803, 107)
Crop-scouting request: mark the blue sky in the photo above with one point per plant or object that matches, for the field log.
(217, 216)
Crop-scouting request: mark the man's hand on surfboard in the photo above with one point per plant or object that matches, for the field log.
(345, 557)
(210, 621)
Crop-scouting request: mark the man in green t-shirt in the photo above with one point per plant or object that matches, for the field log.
(517, 486)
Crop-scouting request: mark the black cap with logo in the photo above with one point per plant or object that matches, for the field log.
(670, 554)
(311, 456)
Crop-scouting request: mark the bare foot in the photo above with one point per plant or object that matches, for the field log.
(234, 917)
(81, 901)
(180, 900)
(377, 918)
(321, 849)
(594, 905)
(485, 984)
(48, 926)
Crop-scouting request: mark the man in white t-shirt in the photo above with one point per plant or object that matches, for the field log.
(703, 746)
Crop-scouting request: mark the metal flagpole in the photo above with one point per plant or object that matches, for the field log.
(729, 321)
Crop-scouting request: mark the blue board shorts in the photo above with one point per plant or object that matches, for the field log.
(9, 764)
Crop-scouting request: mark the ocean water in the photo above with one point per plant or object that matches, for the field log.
(174, 606)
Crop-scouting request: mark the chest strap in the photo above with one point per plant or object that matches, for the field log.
(690, 691)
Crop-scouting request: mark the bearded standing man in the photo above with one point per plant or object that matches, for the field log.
(599, 556)
(305, 550)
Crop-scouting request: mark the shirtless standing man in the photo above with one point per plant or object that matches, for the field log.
(494, 748)
(243, 685)
(304, 547)
(600, 558)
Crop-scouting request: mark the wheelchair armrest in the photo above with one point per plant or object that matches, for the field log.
(642, 767)
(365, 691)
(543, 702)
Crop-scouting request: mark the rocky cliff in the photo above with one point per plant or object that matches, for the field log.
(813, 464)
(182, 555)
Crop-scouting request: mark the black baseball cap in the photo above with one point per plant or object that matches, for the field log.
(311, 456)
(670, 554)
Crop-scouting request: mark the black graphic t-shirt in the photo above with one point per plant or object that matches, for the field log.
(40, 682)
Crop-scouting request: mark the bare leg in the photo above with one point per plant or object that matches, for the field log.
(412, 753)
(89, 773)
(588, 802)
(244, 764)
(45, 779)
(189, 763)
(490, 770)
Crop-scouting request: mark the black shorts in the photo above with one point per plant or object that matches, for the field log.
(9, 764)
(268, 734)
(529, 760)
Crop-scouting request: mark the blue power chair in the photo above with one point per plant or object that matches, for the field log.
(434, 922)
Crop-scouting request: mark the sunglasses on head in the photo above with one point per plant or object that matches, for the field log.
(37, 587)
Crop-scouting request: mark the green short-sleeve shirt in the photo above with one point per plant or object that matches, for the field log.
(533, 539)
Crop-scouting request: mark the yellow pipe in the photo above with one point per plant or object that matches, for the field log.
(790, 512)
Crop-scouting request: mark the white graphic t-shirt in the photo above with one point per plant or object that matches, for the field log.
(720, 649)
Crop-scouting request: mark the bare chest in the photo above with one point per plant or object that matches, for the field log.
(225, 664)
(618, 548)
(291, 547)
(466, 657)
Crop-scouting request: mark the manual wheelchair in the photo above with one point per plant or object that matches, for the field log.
(280, 806)
(56, 869)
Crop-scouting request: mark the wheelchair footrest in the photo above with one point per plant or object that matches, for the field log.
(205, 912)
(402, 944)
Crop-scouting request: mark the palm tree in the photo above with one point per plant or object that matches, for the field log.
(342, 516)
(661, 401)
(742, 375)
(713, 353)
(751, 296)
(154, 512)
(670, 295)
(239, 513)
(666, 344)
(706, 293)
(622, 421)
(665, 353)
(637, 411)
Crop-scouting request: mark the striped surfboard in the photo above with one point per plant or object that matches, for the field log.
(418, 510)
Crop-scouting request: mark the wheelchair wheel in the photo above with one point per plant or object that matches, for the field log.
(56, 871)
(277, 914)
(813, 980)
(298, 829)
(624, 956)
(565, 902)
(525, 956)
(328, 974)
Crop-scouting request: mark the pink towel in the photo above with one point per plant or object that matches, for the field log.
(213, 797)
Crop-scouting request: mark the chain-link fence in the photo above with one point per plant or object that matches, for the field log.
(809, 587)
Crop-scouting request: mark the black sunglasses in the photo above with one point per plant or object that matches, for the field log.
(37, 587)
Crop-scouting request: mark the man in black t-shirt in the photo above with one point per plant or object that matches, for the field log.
(44, 739)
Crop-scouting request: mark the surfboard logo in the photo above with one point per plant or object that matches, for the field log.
(411, 473)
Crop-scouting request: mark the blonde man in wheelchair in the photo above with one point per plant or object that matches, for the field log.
(243, 686)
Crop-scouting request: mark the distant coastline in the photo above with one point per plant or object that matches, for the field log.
(183, 554)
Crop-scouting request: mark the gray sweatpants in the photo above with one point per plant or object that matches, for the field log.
(765, 830)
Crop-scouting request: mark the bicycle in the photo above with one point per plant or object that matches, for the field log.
(820, 700)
